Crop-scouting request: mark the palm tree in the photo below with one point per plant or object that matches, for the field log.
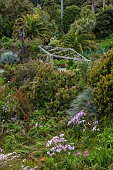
(36, 25)
(79, 41)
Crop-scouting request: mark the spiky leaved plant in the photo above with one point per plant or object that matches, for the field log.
(9, 58)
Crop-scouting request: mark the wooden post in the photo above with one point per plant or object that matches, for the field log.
(51, 59)
(22, 44)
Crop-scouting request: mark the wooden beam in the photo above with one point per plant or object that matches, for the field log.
(79, 57)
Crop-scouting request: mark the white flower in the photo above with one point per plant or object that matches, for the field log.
(62, 135)
(48, 153)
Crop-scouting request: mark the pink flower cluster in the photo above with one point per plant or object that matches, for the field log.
(58, 144)
(85, 153)
(77, 118)
(5, 158)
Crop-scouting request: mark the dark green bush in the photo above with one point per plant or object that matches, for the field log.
(104, 23)
(101, 79)
(70, 14)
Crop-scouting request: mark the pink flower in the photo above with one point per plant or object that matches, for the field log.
(86, 153)
(78, 153)
(26, 168)
(40, 125)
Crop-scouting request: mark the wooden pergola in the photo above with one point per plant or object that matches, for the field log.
(62, 53)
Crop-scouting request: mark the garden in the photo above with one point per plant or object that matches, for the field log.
(52, 119)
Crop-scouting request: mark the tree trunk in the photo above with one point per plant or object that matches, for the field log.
(93, 6)
(62, 8)
(103, 4)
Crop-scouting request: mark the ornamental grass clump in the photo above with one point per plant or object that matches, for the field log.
(58, 144)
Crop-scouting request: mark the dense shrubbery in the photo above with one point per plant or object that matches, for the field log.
(26, 71)
(52, 89)
(30, 47)
(8, 73)
(104, 23)
(70, 14)
(43, 85)
(101, 79)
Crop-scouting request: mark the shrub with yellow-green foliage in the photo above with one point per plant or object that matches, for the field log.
(101, 79)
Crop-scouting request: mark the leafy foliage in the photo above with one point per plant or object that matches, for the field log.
(11, 10)
(104, 23)
(52, 9)
(80, 36)
(70, 14)
(51, 89)
(79, 41)
(85, 23)
(26, 72)
(36, 25)
(101, 79)
(1, 25)
(34, 96)
(8, 44)
(71, 2)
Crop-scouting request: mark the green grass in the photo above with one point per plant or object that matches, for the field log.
(34, 151)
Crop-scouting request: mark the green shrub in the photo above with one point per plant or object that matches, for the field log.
(14, 102)
(26, 71)
(9, 58)
(61, 63)
(51, 89)
(8, 73)
(41, 85)
(7, 102)
(70, 14)
(101, 79)
(104, 23)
